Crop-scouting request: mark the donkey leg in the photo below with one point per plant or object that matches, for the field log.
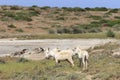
(86, 64)
(80, 62)
(86, 61)
(71, 61)
(83, 61)
(56, 60)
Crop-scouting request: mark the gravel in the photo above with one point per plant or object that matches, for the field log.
(8, 46)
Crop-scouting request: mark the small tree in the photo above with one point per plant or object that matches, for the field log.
(110, 33)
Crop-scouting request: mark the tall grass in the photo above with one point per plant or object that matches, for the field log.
(36, 69)
(64, 36)
(102, 35)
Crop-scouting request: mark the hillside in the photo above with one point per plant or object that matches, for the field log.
(17, 20)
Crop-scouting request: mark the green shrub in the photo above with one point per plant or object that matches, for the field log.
(75, 9)
(33, 13)
(35, 6)
(117, 17)
(2, 62)
(11, 26)
(94, 27)
(95, 17)
(96, 9)
(56, 12)
(9, 14)
(110, 33)
(113, 11)
(60, 30)
(26, 16)
(51, 31)
(109, 23)
(60, 18)
(74, 18)
(100, 9)
(15, 8)
(19, 30)
(5, 19)
(22, 18)
(112, 22)
(103, 21)
(45, 7)
(78, 9)
(64, 30)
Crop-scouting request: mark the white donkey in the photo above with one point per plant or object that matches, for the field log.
(60, 55)
(83, 57)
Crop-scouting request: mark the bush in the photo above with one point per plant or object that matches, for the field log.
(51, 31)
(8, 14)
(77, 29)
(65, 30)
(2, 62)
(95, 17)
(109, 23)
(117, 17)
(110, 34)
(112, 22)
(75, 9)
(100, 9)
(35, 6)
(19, 30)
(113, 11)
(60, 18)
(26, 16)
(96, 9)
(4, 18)
(15, 8)
(23, 16)
(11, 26)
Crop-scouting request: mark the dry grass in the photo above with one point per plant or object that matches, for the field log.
(102, 66)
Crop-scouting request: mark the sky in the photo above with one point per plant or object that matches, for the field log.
(64, 3)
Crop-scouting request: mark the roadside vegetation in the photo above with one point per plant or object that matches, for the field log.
(105, 35)
(102, 66)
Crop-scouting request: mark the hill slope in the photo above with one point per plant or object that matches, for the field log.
(16, 20)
